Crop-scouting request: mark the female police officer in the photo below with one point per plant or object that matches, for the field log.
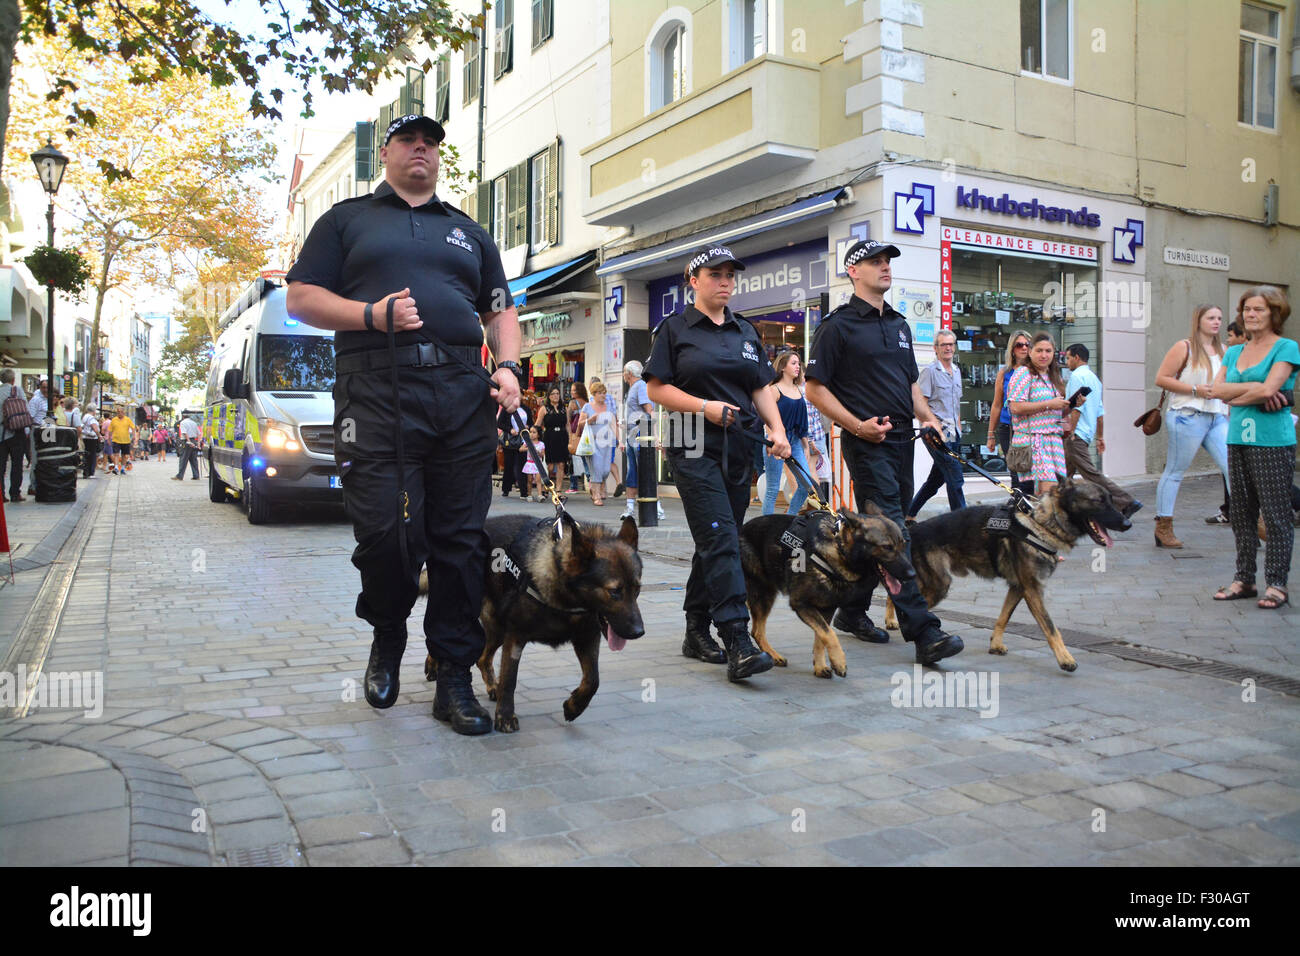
(708, 362)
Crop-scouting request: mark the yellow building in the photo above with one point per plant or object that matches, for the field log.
(1092, 170)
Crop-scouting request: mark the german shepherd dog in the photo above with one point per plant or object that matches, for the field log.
(960, 543)
(574, 587)
(840, 553)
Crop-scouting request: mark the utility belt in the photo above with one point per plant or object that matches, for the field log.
(420, 355)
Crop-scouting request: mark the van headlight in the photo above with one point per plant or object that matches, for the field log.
(278, 436)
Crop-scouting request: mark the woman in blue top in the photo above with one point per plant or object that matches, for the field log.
(787, 388)
(1256, 380)
(1000, 412)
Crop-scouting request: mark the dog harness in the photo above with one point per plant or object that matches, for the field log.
(1003, 524)
(793, 538)
(513, 566)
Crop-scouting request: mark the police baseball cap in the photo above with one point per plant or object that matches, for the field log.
(708, 256)
(867, 249)
(414, 119)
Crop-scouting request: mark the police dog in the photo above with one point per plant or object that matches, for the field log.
(961, 543)
(555, 584)
(837, 555)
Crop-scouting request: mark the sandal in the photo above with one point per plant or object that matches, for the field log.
(1226, 593)
(1270, 603)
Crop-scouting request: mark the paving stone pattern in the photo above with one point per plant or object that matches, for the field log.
(232, 665)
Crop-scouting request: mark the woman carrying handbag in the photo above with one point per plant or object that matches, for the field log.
(1195, 420)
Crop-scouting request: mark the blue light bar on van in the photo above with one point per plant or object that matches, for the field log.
(290, 321)
(256, 462)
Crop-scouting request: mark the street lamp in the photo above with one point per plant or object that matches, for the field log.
(50, 164)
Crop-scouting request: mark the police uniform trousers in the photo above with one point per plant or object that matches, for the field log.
(448, 422)
(882, 473)
(715, 507)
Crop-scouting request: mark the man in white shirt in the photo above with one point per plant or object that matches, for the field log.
(189, 450)
(89, 442)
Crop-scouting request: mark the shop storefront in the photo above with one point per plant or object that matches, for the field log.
(552, 350)
(990, 259)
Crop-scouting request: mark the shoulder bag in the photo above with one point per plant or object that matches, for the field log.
(15, 414)
(1150, 420)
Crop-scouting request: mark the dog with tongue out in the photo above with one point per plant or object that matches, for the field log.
(555, 582)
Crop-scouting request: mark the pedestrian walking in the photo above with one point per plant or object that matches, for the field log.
(1000, 411)
(862, 373)
(15, 421)
(1257, 380)
(160, 441)
(599, 421)
(1193, 420)
(1037, 398)
(122, 430)
(531, 473)
(189, 449)
(414, 390)
(637, 412)
(90, 443)
(1085, 424)
(554, 427)
(787, 391)
(577, 399)
(708, 362)
(940, 383)
(512, 452)
(39, 410)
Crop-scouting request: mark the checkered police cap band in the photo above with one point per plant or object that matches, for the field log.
(712, 256)
(866, 250)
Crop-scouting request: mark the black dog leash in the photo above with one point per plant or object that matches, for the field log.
(801, 474)
(403, 499)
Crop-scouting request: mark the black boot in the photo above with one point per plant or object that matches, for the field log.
(699, 643)
(935, 645)
(743, 658)
(454, 701)
(860, 626)
(385, 662)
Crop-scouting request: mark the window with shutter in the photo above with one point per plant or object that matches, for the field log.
(517, 206)
(543, 21)
(553, 193)
(503, 40)
(413, 92)
(386, 118)
(500, 208)
(537, 203)
(442, 107)
(470, 73)
(365, 152)
(483, 207)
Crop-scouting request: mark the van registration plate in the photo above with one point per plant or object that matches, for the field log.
(336, 481)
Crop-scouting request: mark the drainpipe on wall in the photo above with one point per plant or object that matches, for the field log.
(482, 86)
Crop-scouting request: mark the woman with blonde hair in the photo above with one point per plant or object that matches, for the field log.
(1000, 413)
(600, 418)
(787, 391)
(1193, 419)
(1036, 395)
(1257, 380)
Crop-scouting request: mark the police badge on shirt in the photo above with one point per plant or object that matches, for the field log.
(749, 351)
(457, 237)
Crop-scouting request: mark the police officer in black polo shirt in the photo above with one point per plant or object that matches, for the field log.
(862, 373)
(421, 399)
(708, 363)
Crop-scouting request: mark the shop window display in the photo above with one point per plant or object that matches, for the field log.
(996, 295)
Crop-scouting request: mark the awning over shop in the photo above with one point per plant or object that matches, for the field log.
(817, 205)
(535, 283)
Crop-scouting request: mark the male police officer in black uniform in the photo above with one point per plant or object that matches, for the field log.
(401, 252)
(862, 373)
(708, 363)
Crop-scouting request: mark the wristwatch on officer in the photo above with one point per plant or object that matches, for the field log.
(513, 366)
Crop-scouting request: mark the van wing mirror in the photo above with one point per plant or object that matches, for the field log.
(234, 385)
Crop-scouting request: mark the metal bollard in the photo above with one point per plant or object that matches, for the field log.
(647, 499)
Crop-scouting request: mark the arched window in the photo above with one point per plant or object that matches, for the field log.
(668, 59)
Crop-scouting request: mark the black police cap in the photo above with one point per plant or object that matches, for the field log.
(708, 256)
(868, 249)
(414, 119)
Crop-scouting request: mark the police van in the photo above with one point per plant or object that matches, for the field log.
(268, 420)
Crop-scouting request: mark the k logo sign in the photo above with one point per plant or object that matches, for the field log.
(910, 209)
(613, 302)
(1125, 241)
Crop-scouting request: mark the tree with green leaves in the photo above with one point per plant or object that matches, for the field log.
(340, 45)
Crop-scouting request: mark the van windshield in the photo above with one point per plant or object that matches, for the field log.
(295, 363)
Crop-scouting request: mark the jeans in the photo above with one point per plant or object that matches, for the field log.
(1190, 430)
(944, 471)
(775, 468)
(11, 459)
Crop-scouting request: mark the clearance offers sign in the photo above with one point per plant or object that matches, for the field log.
(962, 237)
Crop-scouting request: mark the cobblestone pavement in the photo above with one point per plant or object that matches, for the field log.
(233, 729)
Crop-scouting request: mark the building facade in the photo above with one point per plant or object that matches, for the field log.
(1088, 170)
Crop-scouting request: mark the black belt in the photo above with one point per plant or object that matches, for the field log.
(417, 356)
